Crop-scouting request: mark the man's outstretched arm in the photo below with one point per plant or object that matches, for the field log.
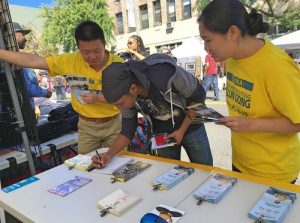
(24, 59)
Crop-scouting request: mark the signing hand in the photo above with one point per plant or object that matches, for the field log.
(104, 159)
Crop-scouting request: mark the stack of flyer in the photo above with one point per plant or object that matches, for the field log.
(214, 188)
(172, 177)
(80, 162)
(273, 206)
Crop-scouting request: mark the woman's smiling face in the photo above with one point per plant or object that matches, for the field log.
(219, 45)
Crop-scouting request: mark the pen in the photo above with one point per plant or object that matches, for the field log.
(99, 159)
(98, 155)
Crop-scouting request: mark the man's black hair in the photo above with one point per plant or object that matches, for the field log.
(87, 31)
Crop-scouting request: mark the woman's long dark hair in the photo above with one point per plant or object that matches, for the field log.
(140, 43)
(219, 15)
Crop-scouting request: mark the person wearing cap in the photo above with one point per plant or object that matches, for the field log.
(161, 90)
(31, 81)
(99, 122)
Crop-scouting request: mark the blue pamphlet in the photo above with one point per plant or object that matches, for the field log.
(172, 177)
(273, 206)
(20, 184)
(214, 188)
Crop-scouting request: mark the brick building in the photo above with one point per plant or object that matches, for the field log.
(159, 23)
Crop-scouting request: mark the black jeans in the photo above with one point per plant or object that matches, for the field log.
(237, 170)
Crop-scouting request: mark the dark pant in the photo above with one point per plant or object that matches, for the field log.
(196, 146)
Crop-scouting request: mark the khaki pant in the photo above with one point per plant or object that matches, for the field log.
(94, 135)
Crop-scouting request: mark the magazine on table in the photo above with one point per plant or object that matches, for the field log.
(214, 188)
(117, 203)
(161, 141)
(129, 171)
(70, 186)
(204, 114)
(273, 206)
(172, 177)
(163, 213)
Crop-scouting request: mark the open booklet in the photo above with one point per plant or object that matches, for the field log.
(117, 203)
(214, 188)
(204, 114)
(273, 206)
(80, 85)
(163, 213)
(129, 171)
(172, 177)
(161, 141)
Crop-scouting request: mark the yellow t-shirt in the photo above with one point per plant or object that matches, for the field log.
(82, 78)
(265, 85)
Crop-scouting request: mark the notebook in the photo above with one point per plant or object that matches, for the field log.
(114, 165)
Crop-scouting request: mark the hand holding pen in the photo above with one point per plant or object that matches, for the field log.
(101, 159)
(97, 160)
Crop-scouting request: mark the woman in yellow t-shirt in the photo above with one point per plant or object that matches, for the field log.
(262, 91)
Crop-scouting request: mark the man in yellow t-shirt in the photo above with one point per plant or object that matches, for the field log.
(99, 122)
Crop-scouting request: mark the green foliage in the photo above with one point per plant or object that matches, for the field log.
(200, 4)
(284, 12)
(63, 16)
(36, 45)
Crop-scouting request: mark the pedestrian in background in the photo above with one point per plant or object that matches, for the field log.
(262, 91)
(211, 76)
(167, 51)
(136, 48)
(31, 81)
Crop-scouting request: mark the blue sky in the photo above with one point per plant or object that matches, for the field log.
(30, 3)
